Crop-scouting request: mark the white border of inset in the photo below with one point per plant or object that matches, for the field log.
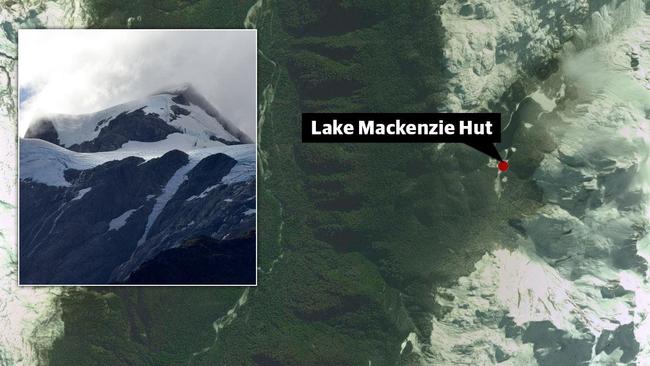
(255, 137)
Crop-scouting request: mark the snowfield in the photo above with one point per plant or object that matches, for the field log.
(44, 162)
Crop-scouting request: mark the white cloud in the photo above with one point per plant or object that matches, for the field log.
(81, 71)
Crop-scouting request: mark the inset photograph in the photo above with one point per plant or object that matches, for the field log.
(137, 157)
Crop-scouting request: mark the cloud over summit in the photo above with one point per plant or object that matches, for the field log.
(82, 71)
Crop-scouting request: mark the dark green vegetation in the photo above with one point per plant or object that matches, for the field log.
(357, 236)
(138, 326)
(167, 13)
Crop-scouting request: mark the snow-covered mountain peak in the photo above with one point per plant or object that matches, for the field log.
(176, 110)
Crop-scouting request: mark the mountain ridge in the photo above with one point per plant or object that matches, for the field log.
(115, 190)
(179, 109)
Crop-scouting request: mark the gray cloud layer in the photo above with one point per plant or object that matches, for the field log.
(81, 71)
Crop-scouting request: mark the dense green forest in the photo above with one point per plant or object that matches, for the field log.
(353, 238)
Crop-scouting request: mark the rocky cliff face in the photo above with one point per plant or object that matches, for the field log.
(137, 183)
(195, 260)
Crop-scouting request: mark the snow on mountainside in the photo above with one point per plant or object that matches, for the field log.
(196, 132)
(104, 193)
(493, 43)
(575, 290)
(174, 110)
(45, 162)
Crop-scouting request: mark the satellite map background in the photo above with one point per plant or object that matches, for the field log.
(384, 254)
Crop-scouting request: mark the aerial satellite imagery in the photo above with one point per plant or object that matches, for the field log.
(381, 253)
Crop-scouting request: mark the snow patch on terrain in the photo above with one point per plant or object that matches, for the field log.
(493, 43)
(168, 192)
(81, 193)
(202, 194)
(118, 222)
(578, 267)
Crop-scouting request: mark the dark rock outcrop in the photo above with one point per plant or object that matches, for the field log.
(44, 130)
(201, 260)
(82, 233)
(132, 126)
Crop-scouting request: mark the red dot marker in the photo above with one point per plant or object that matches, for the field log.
(503, 165)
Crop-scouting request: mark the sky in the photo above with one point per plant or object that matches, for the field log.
(83, 71)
